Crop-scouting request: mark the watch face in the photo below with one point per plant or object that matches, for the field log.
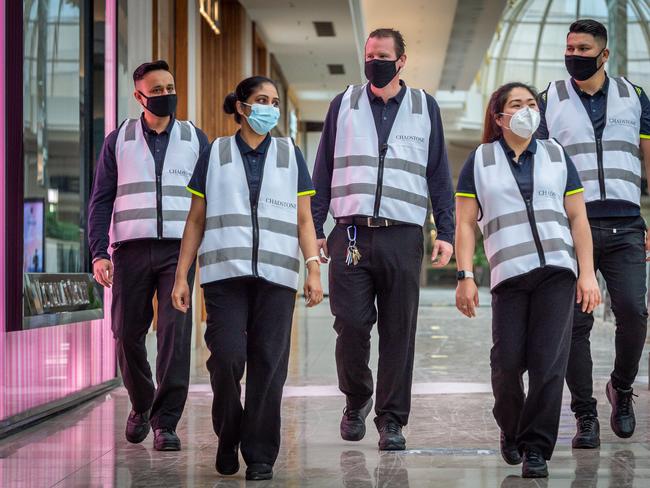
(460, 275)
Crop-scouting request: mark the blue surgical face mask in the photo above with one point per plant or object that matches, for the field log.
(263, 117)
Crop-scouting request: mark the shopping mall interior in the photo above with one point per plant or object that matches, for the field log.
(66, 83)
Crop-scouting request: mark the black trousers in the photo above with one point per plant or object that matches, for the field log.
(619, 254)
(249, 325)
(531, 331)
(388, 272)
(140, 269)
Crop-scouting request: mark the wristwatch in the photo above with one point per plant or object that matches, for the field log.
(461, 275)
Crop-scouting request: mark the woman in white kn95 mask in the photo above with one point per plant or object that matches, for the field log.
(526, 197)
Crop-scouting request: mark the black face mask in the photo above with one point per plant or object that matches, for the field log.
(582, 68)
(380, 72)
(162, 106)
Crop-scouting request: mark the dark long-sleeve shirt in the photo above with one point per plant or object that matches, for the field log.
(102, 198)
(438, 174)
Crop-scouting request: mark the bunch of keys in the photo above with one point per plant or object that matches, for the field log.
(353, 255)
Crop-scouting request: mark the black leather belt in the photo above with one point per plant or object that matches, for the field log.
(368, 221)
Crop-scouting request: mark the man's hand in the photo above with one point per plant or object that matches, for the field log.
(181, 295)
(441, 254)
(103, 272)
(467, 297)
(587, 292)
(322, 251)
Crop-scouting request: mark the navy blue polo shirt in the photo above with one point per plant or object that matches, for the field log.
(102, 198)
(253, 159)
(596, 107)
(438, 175)
(521, 169)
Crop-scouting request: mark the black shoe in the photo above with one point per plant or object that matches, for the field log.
(137, 427)
(391, 438)
(256, 472)
(227, 462)
(166, 440)
(587, 433)
(622, 419)
(509, 451)
(353, 422)
(534, 465)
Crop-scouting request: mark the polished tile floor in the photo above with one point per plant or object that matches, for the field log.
(452, 437)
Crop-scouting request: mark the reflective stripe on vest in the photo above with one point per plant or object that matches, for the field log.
(507, 229)
(569, 123)
(229, 244)
(135, 212)
(404, 193)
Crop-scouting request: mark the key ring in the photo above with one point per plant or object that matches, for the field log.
(352, 240)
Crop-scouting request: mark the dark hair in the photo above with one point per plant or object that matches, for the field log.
(491, 131)
(243, 91)
(400, 45)
(590, 26)
(145, 68)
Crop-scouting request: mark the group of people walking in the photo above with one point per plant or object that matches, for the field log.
(554, 188)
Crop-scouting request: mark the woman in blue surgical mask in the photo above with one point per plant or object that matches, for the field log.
(250, 218)
(526, 197)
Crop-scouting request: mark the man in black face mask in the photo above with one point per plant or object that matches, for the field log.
(381, 159)
(604, 125)
(139, 195)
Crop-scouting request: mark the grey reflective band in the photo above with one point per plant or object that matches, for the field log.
(135, 188)
(373, 162)
(283, 154)
(623, 91)
(129, 132)
(135, 214)
(186, 131)
(225, 153)
(243, 220)
(175, 191)
(246, 254)
(562, 92)
(278, 226)
(553, 151)
(416, 101)
(612, 174)
(387, 191)
(357, 91)
(175, 215)
(526, 248)
(590, 148)
(521, 217)
(489, 158)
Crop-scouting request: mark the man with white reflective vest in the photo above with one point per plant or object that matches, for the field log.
(526, 197)
(604, 125)
(249, 219)
(381, 160)
(139, 198)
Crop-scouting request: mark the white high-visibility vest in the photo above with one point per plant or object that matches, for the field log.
(240, 240)
(387, 182)
(520, 236)
(610, 169)
(136, 211)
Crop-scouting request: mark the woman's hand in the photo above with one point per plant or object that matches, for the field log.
(467, 297)
(181, 295)
(313, 289)
(587, 292)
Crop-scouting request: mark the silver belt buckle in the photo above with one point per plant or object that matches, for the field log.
(372, 222)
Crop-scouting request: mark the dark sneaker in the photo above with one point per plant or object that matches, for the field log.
(587, 433)
(534, 465)
(137, 427)
(166, 440)
(622, 419)
(353, 422)
(227, 462)
(509, 451)
(391, 438)
(256, 472)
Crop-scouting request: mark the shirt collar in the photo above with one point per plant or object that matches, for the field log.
(396, 99)
(167, 129)
(602, 91)
(531, 149)
(246, 149)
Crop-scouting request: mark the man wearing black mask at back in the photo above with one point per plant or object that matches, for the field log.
(604, 125)
(381, 159)
(139, 195)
